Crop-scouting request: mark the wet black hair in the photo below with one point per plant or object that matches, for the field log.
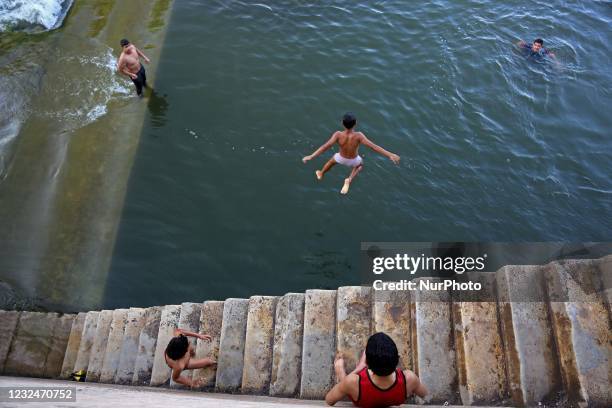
(349, 120)
(177, 347)
(124, 42)
(539, 41)
(381, 354)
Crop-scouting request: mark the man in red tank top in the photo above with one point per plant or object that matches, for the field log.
(376, 382)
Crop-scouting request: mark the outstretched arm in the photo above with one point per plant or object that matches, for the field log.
(147, 60)
(323, 148)
(191, 334)
(392, 156)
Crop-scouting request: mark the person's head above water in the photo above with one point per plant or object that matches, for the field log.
(381, 354)
(537, 45)
(177, 347)
(124, 42)
(349, 120)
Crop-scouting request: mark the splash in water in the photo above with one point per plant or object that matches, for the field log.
(32, 15)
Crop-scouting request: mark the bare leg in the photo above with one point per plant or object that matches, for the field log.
(349, 180)
(200, 363)
(339, 367)
(330, 163)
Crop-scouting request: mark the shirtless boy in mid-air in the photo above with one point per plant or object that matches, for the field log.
(129, 64)
(348, 140)
(179, 355)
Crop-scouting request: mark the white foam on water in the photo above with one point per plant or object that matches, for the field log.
(85, 99)
(31, 13)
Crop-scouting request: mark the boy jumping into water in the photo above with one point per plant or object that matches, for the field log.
(376, 382)
(179, 355)
(348, 140)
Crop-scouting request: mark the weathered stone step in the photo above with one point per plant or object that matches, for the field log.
(98, 347)
(59, 344)
(478, 344)
(582, 329)
(8, 324)
(434, 353)
(211, 320)
(146, 347)
(72, 347)
(135, 321)
(87, 340)
(30, 345)
(113, 346)
(258, 345)
(287, 346)
(319, 343)
(533, 373)
(189, 320)
(391, 315)
(353, 319)
(231, 347)
(160, 375)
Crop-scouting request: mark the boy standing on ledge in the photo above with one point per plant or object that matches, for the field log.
(348, 140)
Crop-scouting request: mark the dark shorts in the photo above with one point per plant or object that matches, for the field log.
(141, 80)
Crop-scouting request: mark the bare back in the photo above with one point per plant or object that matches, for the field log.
(349, 142)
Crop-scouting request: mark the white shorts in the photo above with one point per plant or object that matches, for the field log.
(357, 161)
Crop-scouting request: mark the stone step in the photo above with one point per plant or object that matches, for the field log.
(478, 344)
(605, 273)
(434, 353)
(134, 323)
(87, 340)
(57, 350)
(258, 345)
(146, 347)
(582, 330)
(231, 345)
(353, 321)
(98, 348)
(189, 320)
(160, 374)
(391, 315)
(8, 323)
(287, 346)
(31, 343)
(113, 346)
(72, 347)
(533, 373)
(319, 343)
(211, 320)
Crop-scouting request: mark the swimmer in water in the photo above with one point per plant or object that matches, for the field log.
(535, 50)
(129, 64)
(348, 140)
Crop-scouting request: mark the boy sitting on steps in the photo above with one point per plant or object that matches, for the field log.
(376, 382)
(179, 355)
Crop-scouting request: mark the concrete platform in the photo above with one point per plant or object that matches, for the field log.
(94, 395)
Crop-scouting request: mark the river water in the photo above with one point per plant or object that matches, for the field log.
(495, 146)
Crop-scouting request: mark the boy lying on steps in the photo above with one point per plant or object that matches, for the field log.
(376, 382)
(179, 355)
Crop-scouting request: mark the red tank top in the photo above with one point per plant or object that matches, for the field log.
(370, 396)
